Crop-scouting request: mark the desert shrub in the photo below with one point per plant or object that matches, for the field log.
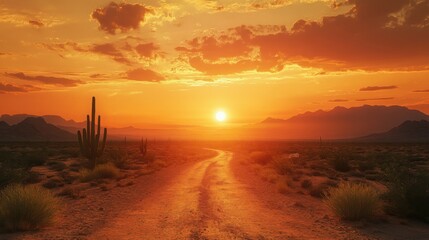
(353, 201)
(260, 157)
(283, 165)
(71, 192)
(35, 158)
(57, 166)
(408, 192)
(107, 170)
(26, 207)
(54, 183)
(117, 156)
(340, 162)
(10, 176)
(366, 165)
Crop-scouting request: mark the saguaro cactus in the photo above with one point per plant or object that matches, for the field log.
(89, 140)
(143, 147)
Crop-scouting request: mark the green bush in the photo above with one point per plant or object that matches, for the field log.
(107, 170)
(353, 201)
(26, 207)
(408, 192)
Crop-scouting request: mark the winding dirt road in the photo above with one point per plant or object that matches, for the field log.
(206, 201)
(217, 198)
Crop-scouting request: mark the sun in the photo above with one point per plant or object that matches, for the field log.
(220, 116)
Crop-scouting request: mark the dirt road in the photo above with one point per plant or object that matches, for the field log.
(216, 198)
(206, 201)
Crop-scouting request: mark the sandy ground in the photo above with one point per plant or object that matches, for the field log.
(212, 199)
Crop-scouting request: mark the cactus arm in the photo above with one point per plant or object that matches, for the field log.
(88, 127)
(85, 142)
(79, 138)
(97, 136)
(103, 143)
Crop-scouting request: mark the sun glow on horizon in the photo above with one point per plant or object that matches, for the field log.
(220, 116)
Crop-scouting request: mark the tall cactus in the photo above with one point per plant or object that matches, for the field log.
(143, 147)
(89, 140)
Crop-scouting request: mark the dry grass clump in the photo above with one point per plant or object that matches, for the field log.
(353, 201)
(26, 207)
(107, 170)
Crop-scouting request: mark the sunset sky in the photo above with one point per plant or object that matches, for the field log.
(178, 62)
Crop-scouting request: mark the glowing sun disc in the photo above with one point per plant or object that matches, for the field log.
(220, 116)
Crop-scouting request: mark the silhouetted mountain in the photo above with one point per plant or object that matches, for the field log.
(34, 129)
(409, 131)
(341, 122)
(52, 119)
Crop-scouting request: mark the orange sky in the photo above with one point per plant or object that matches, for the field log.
(177, 62)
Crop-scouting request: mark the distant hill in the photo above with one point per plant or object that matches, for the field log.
(341, 122)
(409, 131)
(52, 119)
(33, 129)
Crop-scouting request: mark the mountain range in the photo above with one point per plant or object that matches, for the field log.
(364, 123)
(52, 119)
(343, 123)
(409, 131)
(33, 129)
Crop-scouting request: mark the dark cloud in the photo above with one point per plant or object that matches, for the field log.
(377, 88)
(338, 100)
(36, 23)
(374, 99)
(421, 91)
(11, 88)
(373, 35)
(141, 74)
(110, 50)
(66, 82)
(120, 17)
(148, 50)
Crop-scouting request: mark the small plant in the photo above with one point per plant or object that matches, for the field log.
(340, 162)
(26, 207)
(107, 170)
(353, 201)
(89, 141)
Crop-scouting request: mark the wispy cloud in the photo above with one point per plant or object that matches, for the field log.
(374, 99)
(421, 91)
(339, 100)
(377, 88)
(50, 80)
